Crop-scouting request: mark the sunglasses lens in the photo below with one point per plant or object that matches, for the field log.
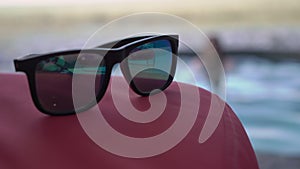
(151, 66)
(53, 80)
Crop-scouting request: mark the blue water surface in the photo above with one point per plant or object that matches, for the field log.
(266, 97)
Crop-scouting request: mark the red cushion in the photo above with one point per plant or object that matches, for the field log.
(30, 139)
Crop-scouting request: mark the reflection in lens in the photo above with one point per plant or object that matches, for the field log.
(150, 66)
(53, 80)
(150, 79)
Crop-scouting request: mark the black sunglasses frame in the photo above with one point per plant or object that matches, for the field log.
(113, 52)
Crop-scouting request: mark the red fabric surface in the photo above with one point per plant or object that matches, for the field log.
(30, 139)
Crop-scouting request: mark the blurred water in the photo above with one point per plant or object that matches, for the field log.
(266, 97)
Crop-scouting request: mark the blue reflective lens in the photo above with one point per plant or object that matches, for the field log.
(150, 65)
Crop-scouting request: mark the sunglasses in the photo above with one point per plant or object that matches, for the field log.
(148, 64)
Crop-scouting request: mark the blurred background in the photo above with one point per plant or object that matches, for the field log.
(259, 41)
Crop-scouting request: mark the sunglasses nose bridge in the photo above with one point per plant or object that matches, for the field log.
(117, 57)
